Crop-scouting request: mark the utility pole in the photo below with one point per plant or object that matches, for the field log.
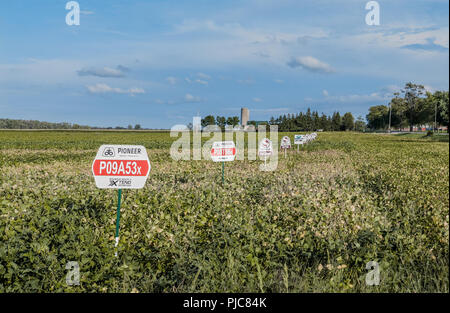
(435, 117)
(390, 113)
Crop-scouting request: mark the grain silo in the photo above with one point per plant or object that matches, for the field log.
(245, 115)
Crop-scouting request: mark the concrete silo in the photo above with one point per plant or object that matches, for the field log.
(245, 115)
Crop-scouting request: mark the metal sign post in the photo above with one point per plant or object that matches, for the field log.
(223, 151)
(285, 144)
(120, 167)
(118, 221)
(265, 149)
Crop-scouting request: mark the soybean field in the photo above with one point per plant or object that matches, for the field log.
(312, 225)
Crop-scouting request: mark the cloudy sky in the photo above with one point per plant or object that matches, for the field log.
(159, 63)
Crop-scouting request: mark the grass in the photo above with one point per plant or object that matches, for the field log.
(310, 226)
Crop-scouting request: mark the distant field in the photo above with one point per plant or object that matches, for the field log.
(310, 226)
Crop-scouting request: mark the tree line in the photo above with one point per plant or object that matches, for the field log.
(33, 124)
(412, 106)
(312, 121)
(220, 121)
(308, 121)
(6, 123)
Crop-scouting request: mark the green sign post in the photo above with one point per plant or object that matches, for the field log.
(118, 220)
(223, 151)
(223, 171)
(120, 167)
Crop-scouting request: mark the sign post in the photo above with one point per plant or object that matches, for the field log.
(118, 219)
(120, 167)
(285, 144)
(298, 140)
(223, 151)
(265, 149)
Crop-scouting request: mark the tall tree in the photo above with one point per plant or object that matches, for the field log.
(360, 125)
(412, 93)
(336, 121)
(378, 117)
(221, 121)
(348, 122)
(208, 120)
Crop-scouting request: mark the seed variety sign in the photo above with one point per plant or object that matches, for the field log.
(265, 148)
(223, 151)
(285, 142)
(298, 139)
(121, 167)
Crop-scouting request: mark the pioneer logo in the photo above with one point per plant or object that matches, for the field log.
(109, 152)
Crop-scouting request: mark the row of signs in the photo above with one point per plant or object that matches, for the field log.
(302, 139)
(128, 167)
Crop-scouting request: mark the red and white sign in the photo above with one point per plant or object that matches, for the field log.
(285, 143)
(265, 148)
(223, 151)
(121, 167)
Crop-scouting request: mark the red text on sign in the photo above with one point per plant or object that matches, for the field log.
(120, 168)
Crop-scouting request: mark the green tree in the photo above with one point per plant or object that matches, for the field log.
(378, 117)
(360, 125)
(233, 120)
(412, 93)
(137, 126)
(336, 121)
(221, 122)
(348, 121)
(208, 120)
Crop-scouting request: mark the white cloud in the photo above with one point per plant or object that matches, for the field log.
(171, 80)
(203, 75)
(203, 82)
(311, 64)
(190, 98)
(279, 81)
(325, 93)
(104, 88)
(257, 99)
(401, 37)
(103, 72)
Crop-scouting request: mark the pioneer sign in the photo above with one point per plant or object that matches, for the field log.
(223, 151)
(285, 143)
(298, 139)
(265, 148)
(121, 167)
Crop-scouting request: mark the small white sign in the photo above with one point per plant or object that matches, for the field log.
(223, 151)
(265, 148)
(285, 142)
(121, 167)
(298, 139)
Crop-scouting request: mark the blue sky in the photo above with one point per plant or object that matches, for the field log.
(159, 63)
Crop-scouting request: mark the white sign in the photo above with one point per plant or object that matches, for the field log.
(298, 139)
(223, 151)
(265, 148)
(121, 167)
(285, 142)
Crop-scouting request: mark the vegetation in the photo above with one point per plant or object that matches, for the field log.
(32, 124)
(310, 226)
(417, 107)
